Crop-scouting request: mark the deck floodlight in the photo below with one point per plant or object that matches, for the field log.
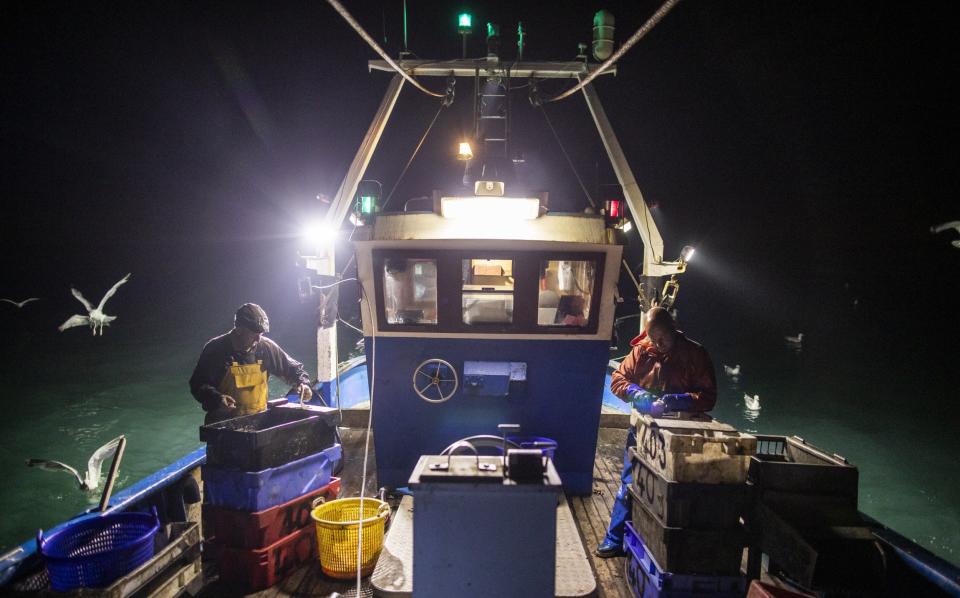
(490, 209)
(319, 233)
(686, 254)
(466, 152)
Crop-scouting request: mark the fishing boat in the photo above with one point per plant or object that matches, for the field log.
(488, 317)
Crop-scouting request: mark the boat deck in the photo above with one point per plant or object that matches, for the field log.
(592, 513)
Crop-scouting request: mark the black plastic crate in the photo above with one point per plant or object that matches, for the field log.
(689, 550)
(687, 504)
(790, 464)
(270, 438)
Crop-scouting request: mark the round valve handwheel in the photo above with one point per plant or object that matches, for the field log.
(435, 380)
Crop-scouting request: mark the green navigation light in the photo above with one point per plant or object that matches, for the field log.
(368, 204)
(465, 22)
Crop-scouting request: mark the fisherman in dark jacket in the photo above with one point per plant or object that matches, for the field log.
(231, 376)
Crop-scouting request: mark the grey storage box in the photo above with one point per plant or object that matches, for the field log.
(478, 533)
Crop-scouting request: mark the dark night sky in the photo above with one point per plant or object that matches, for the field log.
(800, 145)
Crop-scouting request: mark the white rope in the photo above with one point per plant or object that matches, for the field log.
(376, 47)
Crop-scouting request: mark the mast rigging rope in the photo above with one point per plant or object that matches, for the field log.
(373, 44)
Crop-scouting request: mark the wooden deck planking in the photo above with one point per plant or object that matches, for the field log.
(591, 513)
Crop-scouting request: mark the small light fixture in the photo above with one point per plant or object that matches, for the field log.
(686, 254)
(465, 153)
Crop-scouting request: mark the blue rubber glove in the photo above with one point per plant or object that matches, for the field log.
(644, 401)
(679, 402)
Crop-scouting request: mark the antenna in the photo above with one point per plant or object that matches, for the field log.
(405, 27)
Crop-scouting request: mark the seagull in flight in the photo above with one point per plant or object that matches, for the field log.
(91, 479)
(947, 226)
(751, 403)
(732, 371)
(95, 317)
(20, 303)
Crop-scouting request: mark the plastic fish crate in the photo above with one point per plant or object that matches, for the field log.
(256, 491)
(173, 567)
(270, 438)
(647, 580)
(242, 529)
(256, 569)
(707, 452)
(687, 504)
(790, 464)
(689, 550)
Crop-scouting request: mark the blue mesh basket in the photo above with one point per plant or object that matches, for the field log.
(93, 552)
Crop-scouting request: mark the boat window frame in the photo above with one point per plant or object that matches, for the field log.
(526, 275)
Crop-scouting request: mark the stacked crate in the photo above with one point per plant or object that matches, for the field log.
(804, 516)
(689, 495)
(264, 472)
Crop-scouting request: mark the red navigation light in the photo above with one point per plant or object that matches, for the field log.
(614, 209)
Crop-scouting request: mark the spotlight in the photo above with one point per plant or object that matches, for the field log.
(465, 153)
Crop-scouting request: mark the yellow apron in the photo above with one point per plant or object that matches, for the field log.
(247, 384)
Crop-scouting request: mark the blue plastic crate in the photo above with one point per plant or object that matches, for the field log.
(647, 580)
(256, 491)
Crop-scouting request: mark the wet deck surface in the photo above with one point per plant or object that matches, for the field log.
(592, 513)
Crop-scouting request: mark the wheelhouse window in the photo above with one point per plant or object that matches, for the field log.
(410, 291)
(487, 291)
(566, 292)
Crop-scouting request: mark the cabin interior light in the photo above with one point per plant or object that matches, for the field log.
(486, 209)
(466, 152)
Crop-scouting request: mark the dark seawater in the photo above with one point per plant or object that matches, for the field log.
(861, 386)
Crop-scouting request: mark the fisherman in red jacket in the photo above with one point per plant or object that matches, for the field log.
(665, 371)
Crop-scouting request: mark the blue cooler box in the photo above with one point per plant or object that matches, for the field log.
(259, 490)
(647, 580)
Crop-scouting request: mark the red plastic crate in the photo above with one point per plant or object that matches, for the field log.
(241, 529)
(261, 568)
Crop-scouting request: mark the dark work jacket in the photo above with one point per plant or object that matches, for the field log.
(218, 355)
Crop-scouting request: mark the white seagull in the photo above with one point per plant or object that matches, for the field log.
(947, 226)
(794, 340)
(20, 303)
(92, 478)
(732, 371)
(95, 317)
(751, 403)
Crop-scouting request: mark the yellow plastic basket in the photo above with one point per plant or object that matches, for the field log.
(337, 523)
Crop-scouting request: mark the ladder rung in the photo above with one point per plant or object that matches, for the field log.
(493, 118)
(492, 139)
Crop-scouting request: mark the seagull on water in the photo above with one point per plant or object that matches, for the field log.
(91, 479)
(732, 371)
(947, 226)
(95, 317)
(794, 340)
(20, 303)
(751, 403)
